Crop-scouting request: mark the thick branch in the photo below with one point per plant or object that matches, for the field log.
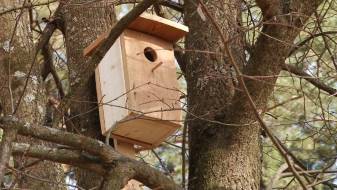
(95, 147)
(154, 178)
(269, 8)
(141, 172)
(173, 5)
(136, 170)
(113, 179)
(59, 155)
(48, 67)
(8, 137)
(314, 81)
(271, 50)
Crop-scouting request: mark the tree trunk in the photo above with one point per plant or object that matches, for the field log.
(15, 62)
(84, 23)
(222, 156)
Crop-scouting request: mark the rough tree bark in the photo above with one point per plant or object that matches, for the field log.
(221, 156)
(83, 23)
(15, 64)
(228, 155)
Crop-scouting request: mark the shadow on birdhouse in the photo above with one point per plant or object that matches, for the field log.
(137, 87)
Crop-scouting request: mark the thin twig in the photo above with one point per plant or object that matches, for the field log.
(25, 6)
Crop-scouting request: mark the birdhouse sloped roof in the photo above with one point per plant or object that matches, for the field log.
(149, 24)
(159, 27)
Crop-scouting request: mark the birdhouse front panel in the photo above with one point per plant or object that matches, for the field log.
(151, 76)
(152, 90)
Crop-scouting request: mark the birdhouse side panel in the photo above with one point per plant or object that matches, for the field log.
(151, 71)
(110, 84)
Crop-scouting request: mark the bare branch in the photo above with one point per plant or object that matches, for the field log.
(59, 155)
(106, 153)
(48, 67)
(314, 81)
(302, 43)
(28, 5)
(38, 178)
(136, 170)
(173, 5)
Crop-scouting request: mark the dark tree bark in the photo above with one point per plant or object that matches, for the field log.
(221, 156)
(15, 63)
(228, 155)
(83, 24)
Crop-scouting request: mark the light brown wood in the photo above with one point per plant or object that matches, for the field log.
(137, 105)
(154, 94)
(126, 149)
(147, 23)
(110, 87)
(131, 140)
(159, 27)
(133, 185)
(147, 132)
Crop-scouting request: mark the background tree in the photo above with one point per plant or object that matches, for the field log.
(25, 99)
(92, 20)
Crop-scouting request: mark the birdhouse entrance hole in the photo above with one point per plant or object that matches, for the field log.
(150, 54)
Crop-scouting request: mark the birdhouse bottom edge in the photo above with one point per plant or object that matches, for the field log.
(144, 131)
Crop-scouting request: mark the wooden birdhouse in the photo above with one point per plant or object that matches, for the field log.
(137, 87)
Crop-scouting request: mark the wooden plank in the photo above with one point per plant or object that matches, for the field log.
(110, 85)
(145, 131)
(160, 27)
(99, 97)
(151, 92)
(133, 185)
(133, 141)
(126, 149)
